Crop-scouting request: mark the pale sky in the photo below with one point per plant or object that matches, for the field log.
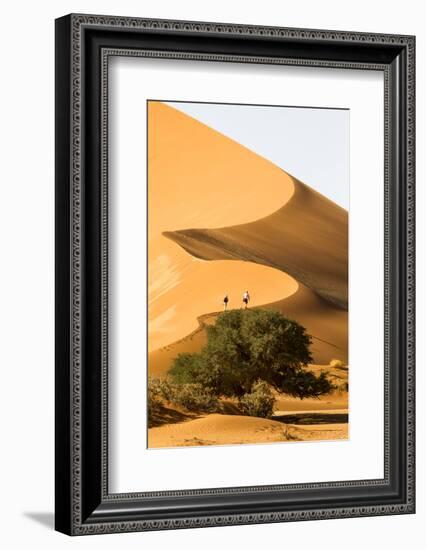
(311, 144)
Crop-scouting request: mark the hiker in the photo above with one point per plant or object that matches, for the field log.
(246, 298)
(225, 302)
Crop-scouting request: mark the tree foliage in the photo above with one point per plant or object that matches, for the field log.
(245, 346)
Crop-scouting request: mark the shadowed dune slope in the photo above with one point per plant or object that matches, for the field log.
(306, 238)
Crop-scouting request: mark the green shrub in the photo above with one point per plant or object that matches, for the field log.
(304, 383)
(337, 363)
(154, 397)
(166, 390)
(194, 397)
(245, 346)
(259, 402)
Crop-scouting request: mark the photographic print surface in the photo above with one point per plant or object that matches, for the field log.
(247, 274)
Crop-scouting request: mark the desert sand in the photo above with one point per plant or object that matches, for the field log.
(257, 228)
(222, 429)
(186, 288)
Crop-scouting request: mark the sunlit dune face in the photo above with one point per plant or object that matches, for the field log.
(196, 287)
(198, 177)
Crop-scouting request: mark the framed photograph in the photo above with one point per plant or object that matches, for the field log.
(234, 274)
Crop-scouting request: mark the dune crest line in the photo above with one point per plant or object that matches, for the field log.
(306, 238)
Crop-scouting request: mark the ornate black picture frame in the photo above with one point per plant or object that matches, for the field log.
(83, 45)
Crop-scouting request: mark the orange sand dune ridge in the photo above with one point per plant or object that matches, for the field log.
(186, 158)
(306, 238)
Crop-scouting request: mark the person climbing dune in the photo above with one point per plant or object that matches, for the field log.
(225, 302)
(246, 299)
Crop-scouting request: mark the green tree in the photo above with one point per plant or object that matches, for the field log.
(245, 346)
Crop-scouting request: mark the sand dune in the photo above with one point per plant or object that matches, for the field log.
(288, 246)
(292, 259)
(326, 324)
(306, 238)
(222, 429)
(186, 288)
(186, 157)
